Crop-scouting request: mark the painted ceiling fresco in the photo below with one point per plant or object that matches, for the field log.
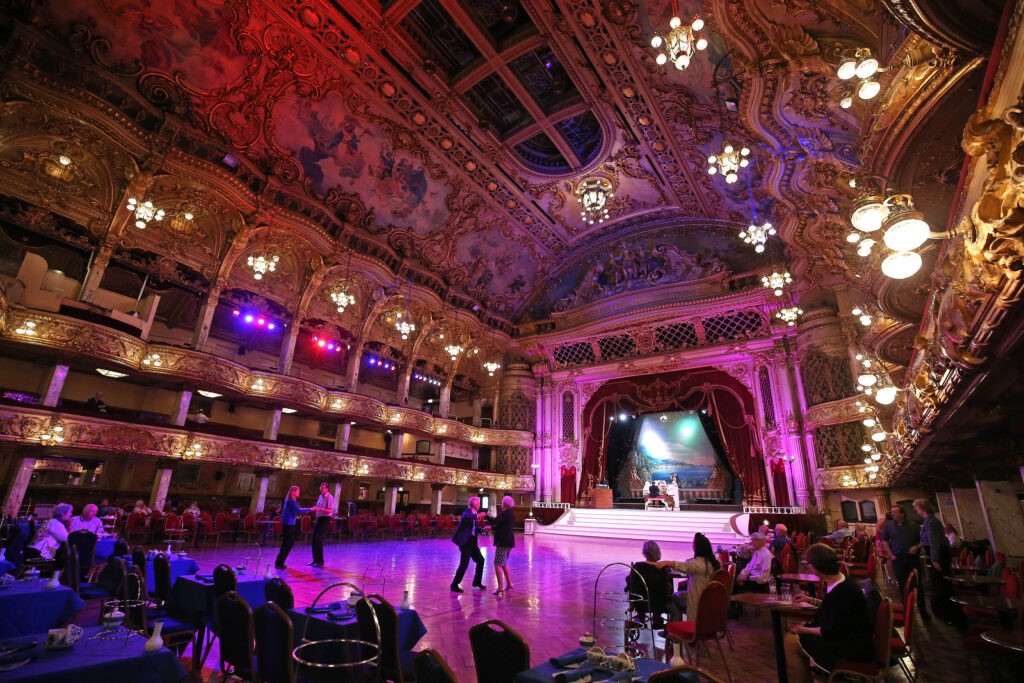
(456, 134)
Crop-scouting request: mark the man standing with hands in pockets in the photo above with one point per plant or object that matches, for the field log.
(466, 538)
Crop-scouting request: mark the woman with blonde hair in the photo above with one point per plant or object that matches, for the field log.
(504, 541)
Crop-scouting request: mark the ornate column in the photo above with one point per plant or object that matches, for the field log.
(441, 448)
(161, 483)
(284, 364)
(352, 369)
(444, 403)
(402, 395)
(54, 385)
(19, 485)
(342, 435)
(792, 428)
(337, 497)
(767, 420)
(390, 496)
(395, 446)
(273, 425)
(181, 403)
(259, 495)
(436, 498)
(518, 410)
(548, 437)
(478, 404)
(201, 333)
(98, 265)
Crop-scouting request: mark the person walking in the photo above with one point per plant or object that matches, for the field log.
(466, 538)
(324, 509)
(504, 541)
(289, 529)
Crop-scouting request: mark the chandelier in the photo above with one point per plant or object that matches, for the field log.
(862, 316)
(52, 432)
(680, 42)
(728, 162)
(262, 264)
(757, 235)
(403, 322)
(454, 349)
(862, 66)
(491, 367)
(789, 315)
(594, 195)
(777, 281)
(342, 298)
(144, 212)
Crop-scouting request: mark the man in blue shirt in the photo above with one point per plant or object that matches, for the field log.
(466, 538)
(780, 541)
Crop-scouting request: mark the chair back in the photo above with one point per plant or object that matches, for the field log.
(1011, 589)
(874, 600)
(278, 592)
(788, 559)
(237, 634)
(307, 524)
(117, 570)
(188, 520)
(71, 576)
(161, 577)
(681, 674)
(499, 653)
(172, 523)
(652, 585)
(430, 667)
(908, 620)
(712, 608)
(723, 577)
(910, 585)
(136, 522)
(85, 543)
(120, 548)
(387, 621)
(274, 637)
(139, 559)
(250, 523)
(883, 634)
(141, 580)
(224, 580)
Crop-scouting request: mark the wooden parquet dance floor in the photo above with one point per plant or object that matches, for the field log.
(552, 603)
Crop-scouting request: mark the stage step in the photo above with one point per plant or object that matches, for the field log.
(656, 525)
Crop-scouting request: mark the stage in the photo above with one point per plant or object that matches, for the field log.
(724, 525)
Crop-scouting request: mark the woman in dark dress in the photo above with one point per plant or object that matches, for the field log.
(504, 541)
(840, 631)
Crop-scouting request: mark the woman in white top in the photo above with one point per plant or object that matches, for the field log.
(698, 570)
(53, 532)
(140, 506)
(87, 521)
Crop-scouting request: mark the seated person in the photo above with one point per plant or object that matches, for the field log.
(200, 417)
(842, 532)
(754, 577)
(656, 585)
(699, 570)
(652, 489)
(193, 509)
(780, 541)
(87, 521)
(96, 403)
(51, 534)
(840, 631)
(954, 540)
(106, 509)
(141, 507)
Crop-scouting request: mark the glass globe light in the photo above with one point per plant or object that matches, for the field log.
(878, 436)
(906, 234)
(853, 238)
(867, 379)
(869, 422)
(868, 213)
(876, 456)
(846, 102)
(697, 24)
(867, 67)
(702, 43)
(865, 320)
(847, 67)
(868, 89)
(901, 265)
(886, 395)
(865, 447)
(656, 42)
(661, 59)
(675, 22)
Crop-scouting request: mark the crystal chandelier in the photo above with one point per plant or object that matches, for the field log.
(789, 315)
(777, 281)
(144, 212)
(594, 195)
(728, 162)
(454, 349)
(491, 367)
(289, 460)
(262, 264)
(862, 66)
(342, 298)
(757, 235)
(404, 324)
(52, 432)
(680, 42)
(862, 316)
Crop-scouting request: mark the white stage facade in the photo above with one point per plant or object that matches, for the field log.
(722, 527)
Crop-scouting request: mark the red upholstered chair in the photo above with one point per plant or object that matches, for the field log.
(135, 525)
(307, 528)
(876, 670)
(204, 527)
(1011, 590)
(788, 559)
(252, 532)
(156, 524)
(903, 648)
(709, 624)
(898, 610)
(173, 528)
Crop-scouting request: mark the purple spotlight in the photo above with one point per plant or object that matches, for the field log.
(330, 347)
(373, 361)
(261, 321)
(248, 317)
(230, 161)
(387, 366)
(547, 64)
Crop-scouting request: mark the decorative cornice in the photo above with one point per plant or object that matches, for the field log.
(69, 335)
(24, 425)
(833, 412)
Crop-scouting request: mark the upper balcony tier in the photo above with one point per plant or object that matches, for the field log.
(206, 371)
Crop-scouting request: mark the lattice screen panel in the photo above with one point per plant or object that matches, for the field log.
(616, 346)
(839, 445)
(513, 460)
(568, 417)
(518, 412)
(675, 336)
(767, 403)
(577, 353)
(825, 378)
(739, 325)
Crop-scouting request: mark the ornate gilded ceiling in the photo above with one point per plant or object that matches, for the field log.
(444, 140)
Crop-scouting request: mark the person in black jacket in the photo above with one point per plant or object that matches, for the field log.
(466, 538)
(840, 631)
(504, 541)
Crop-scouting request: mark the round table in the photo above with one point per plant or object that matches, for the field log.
(978, 580)
(1012, 640)
(777, 607)
(798, 578)
(968, 569)
(1005, 606)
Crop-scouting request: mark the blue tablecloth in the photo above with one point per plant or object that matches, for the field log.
(410, 627)
(6, 567)
(192, 599)
(108, 578)
(28, 607)
(104, 549)
(98, 661)
(545, 672)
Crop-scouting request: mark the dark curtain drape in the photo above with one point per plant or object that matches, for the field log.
(726, 400)
(568, 483)
(780, 483)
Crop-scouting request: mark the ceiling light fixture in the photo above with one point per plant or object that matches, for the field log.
(144, 212)
(789, 315)
(595, 195)
(289, 411)
(52, 432)
(113, 374)
(491, 367)
(681, 42)
(262, 264)
(777, 281)
(757, 235)
(209, 394)
(342, 298)
(404, 325)
(860, 65)
(728, 162)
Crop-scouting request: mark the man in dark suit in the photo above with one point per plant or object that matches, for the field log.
(466, 538)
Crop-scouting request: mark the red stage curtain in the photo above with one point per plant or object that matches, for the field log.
(728, 402)
(780, 483)
(569, 484)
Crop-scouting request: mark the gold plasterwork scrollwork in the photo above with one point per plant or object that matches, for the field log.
(834, 412)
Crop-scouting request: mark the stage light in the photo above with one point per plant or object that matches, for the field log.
(261, 321)
(321, 343)
(248, 318)
(387, 366)
(664, 418)
(372, 360)
(622, 417)
(236, 312)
